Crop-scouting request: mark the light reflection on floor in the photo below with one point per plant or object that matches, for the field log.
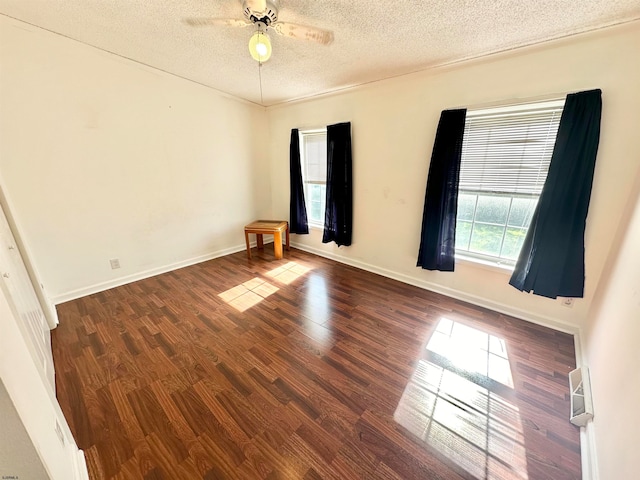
(317, 309)
(451, 404)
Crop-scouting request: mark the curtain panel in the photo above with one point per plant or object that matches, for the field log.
(551, 262)
(338, 220)
(438, 237)
(297, 208)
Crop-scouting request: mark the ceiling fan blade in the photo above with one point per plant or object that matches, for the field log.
(205, 22)
(256, 5)
(304, 32)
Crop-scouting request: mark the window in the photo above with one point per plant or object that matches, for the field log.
(313, 156)
(506, 154)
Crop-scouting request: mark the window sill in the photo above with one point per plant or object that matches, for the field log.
(485, 264)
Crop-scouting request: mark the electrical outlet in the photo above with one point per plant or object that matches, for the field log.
(567, 302)
(115, 263)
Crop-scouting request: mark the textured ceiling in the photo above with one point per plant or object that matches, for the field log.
(373, 40)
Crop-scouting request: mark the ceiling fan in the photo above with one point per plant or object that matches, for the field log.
(263, 14)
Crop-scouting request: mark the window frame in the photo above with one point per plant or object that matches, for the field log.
(302, 135)
(485, 259)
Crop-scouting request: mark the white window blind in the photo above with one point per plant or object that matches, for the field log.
(508, 150)
(313, 151)
(315, 155)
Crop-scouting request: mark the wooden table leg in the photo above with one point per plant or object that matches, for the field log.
(246, 239)
(288, 238)
(277, 244)
(260, 241)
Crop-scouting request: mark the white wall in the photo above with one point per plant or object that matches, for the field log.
(104, 158)
(38, 411)
(613, 355)
(393, 128)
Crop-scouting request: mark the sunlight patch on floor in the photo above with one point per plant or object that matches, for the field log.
(453, 408)
(472, 350)
(248, 294)
(288, 273)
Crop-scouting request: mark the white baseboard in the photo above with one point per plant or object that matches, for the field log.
(82, 473)
(589, 457)
(449, 292)
(117, 282)
(588, 453)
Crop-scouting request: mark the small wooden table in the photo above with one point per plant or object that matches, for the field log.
(269, 227)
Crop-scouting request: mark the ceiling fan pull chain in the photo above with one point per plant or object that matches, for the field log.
(260, 77)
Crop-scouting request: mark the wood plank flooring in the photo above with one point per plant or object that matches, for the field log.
(303, 368)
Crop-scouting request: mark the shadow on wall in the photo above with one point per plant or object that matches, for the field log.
(612, 257)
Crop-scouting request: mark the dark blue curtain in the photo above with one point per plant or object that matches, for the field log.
(551, 262)
(438, 238)
(297, 209)
(338, 217)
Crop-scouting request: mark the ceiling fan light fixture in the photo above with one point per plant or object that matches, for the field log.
(260, 46)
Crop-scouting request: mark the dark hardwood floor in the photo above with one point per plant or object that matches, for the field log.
(303, 368)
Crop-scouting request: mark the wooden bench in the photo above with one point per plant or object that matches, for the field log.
(268, 227)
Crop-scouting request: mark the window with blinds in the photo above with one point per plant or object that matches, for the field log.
(506, 153)
(313, 156)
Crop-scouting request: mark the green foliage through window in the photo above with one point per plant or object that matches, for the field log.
(493, 225)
